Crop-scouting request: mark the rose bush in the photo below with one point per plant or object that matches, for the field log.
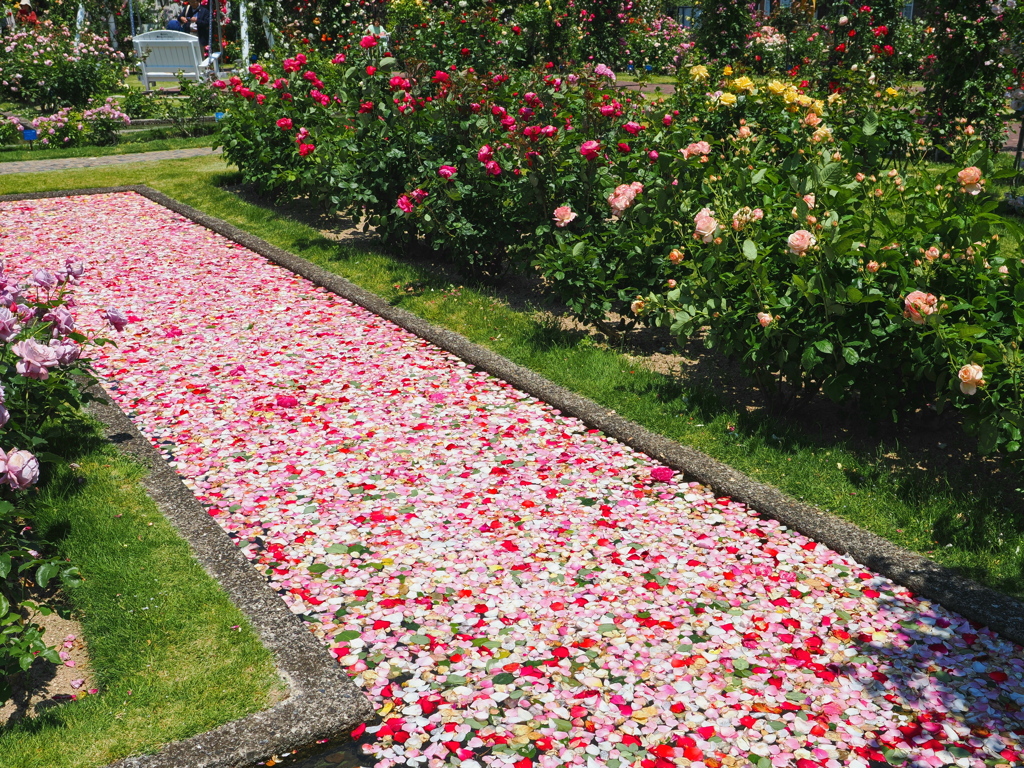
(43, 383)
(804, 229)
(53, 66)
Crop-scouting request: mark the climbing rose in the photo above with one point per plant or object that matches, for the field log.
(971, 378)
(919, 305)
(447, 171)
(564, 215)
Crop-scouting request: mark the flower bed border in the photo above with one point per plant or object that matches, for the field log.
(1000, 612)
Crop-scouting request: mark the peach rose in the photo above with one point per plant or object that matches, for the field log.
(970, 178)
(675, 255)
(918, 305)
(872, 267)
(638, 305)
(970, 378)
(764, 319)
(800, 241)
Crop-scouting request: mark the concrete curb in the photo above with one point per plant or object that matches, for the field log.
(1000, 612)
(323, 703)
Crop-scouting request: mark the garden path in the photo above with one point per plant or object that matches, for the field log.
(70, 163)
(510, 588)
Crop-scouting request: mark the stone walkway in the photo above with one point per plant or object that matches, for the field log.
(71, 163)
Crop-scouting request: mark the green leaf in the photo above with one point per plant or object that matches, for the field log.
(750, 249)
(563, 725)
(870, 124)
(577, 250)
(45, 572)
(5, 605)
(505, 678)
(337, 549)
(824, 346)
(419, 639)
(758, 175)
(317, 568)
(348, 634)
(854, 294)
(5, 565)
(850, 355)
(740, 664)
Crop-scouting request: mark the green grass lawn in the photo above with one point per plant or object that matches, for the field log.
(171, 655)
(130, 144)
(961, 517)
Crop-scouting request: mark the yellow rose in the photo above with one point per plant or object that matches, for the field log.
(727, 71)
(790, 94)
(776, 88)
(744, 84)
(728, 99)
(892, 91)
(822, 134)
(835, 98)
(699, 72)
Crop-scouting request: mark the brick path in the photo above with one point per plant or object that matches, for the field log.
(70, 163)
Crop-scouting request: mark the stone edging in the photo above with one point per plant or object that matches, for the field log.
(1000, 612)
(322, 703)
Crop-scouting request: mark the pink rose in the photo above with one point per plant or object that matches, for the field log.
(564, 215)
(663, 474)
(9, 325)
(800, 241)
(971, 378)
(623, 197)
(872, 267)
(764, 319)
(492, 168)
(306, 149)
(404, 204)
(447, 171)
(705, 225)
(632, 128)
(486, 154)
(589, 149)
(285, 124)
(700, 148)
(286, 401)
(810, 200)
(743, 132)
(368, 41)
(419, 195)
(36, 360)
(19, 469)
(918, 305)
(666, 120)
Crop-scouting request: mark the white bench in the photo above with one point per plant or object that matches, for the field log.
(164, 55)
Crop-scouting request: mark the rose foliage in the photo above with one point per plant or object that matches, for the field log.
(793, 226)
(43, 380)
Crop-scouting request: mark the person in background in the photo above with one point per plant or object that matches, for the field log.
(26, 16)
(185, 19)
(376, 26)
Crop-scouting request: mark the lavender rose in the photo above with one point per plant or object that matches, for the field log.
(36, 360)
